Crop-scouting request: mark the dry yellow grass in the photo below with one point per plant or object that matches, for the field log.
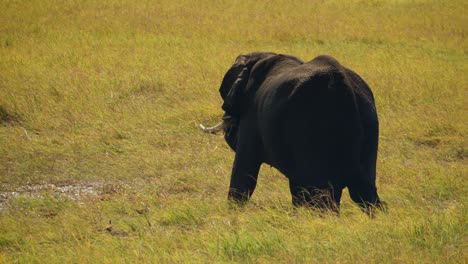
(108, 94)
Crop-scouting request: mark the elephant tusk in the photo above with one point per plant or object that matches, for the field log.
(213, 129)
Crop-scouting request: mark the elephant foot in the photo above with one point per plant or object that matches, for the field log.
(237, 198)
(317, 199)
(372, 209)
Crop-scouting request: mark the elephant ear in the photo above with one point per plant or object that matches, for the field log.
(232, 91)
(235, 94)
(233, 102)
(233, 106)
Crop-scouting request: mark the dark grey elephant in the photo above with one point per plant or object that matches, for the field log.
(316, 122)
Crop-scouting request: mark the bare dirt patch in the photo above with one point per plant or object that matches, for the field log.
(72, 191)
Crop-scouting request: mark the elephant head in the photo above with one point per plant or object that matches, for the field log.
(234, 92)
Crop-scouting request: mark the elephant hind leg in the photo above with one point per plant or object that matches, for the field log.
(325, 199)
(364, 193)
(315, 182)
(362, 187)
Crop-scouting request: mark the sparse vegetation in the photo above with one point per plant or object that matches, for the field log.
(108, 94)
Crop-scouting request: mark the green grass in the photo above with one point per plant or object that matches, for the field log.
(110, 93)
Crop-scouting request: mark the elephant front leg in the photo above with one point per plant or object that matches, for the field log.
(243, 179)
(246, 165)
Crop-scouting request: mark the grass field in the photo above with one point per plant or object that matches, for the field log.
(99, 107)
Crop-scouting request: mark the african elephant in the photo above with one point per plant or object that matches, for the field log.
(315, 121)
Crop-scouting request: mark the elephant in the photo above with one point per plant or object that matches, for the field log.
(316, 122)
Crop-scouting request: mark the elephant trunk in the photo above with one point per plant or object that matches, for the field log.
(213, 129)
